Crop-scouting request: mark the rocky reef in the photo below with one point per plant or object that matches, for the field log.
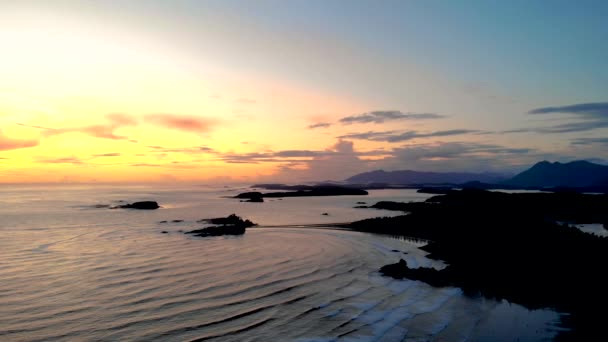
(230, 225)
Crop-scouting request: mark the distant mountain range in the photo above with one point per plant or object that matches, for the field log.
(575, 174)
(418, 177)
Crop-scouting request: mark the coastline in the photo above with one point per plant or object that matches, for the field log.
(509, 246)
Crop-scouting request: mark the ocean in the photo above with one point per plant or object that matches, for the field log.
(72, 269)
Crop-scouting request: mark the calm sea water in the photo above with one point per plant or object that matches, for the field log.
(72, 272)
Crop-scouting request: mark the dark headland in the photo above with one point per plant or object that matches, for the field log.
(304, 191)
(517, 247)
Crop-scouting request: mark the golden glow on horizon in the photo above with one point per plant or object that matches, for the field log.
(59, 80)
(88, 100)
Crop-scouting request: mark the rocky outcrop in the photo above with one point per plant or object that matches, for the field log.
(252, 196)
(430, 276)
(230, 225)
(143, 205)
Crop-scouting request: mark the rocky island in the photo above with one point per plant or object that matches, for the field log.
(230, 225)
(144, 205)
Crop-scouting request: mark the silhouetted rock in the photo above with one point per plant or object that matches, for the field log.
(249, 195)
(145, 205)
(164, 232)
(325, 214)
(430, 276)
(230, 225)
(232, 219)
(162, 222)
(218, 231)
(396, 206)
(177, 221)
(361, 203)
(255, 197)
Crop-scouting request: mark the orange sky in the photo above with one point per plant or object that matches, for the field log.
(147, 91)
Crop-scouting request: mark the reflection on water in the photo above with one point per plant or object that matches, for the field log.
(73, 272)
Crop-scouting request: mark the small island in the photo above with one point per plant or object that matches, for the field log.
(230, 225)
(143, 205)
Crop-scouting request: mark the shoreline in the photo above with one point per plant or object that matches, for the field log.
(509, 246)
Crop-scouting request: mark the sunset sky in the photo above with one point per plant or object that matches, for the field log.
(226, 91)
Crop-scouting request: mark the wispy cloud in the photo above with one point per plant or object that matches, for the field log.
(595, 110)
(590, 141)
(458, 150)
(148, 165)
(34, 126)
(7, 143)
(64, 160)
(112, 154)
(319, 125)
(574, 127)
(188, 150)
(116, 121)
(342, 159)
(104, 131)
(181, 122)
(369, 135)
(461, 156)
(298, 156)
(414, 134)
(382, 116)
(172, 165)
(593, 116)
(392, 136)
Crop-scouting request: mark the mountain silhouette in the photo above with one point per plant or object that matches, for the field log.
(578, 173)
(419, 177)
